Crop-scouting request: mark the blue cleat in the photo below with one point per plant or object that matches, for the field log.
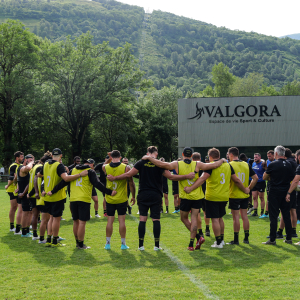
(298, 222)
(26, 235)
(107, 247)
(124, 247)
(263, 216)
(60, 239)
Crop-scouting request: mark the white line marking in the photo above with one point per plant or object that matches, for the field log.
(185, 270)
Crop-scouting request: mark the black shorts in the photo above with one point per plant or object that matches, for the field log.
(237, 204)
(175, 187)
(104, 183)
(19, 200)
(33, 202)
(165, 187)
(12, 196)
(187, 205)
(260, 187)
(42, 208)
(26, 203)
(293, 200)
(152, 201)
(214, 209)
(121, 208)
(203, 204)
(94, 192)
(80, 210)
(55, 209)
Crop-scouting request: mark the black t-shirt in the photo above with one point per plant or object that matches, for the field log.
(71, 167)
(102, 174)
(151, 178)
(22, 181)
(298, 171)
(12, 172)
(59, 170)
(281, 174)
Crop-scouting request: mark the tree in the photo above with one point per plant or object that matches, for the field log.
(222, 79)
(247, 86)
(87, 81)
(291, 89)
(19, 55)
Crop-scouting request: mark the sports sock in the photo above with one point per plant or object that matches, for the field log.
(218, 239)
(294, 230)
(236, 237)
(24, 231)
(41, 238)
(280, 231)
(142, 231)
(55, 238)
(250, 205)
(156, 232)
(246, 235)
(18, 228)
(104, 211)
(191, 243)
(48, 238)
(222, 237)
(197, 236)
(167, 208)
(35, 233)
(123, 242)
(266, 213)
(262, 212)
(107, 240)
(255, 210)
(207, 228)
(96, 212)
(200, 231)
(80, 244)
(12, 225)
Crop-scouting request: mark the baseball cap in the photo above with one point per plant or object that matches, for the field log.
(56, 151)
(107, 157)
(187, 151)
(28, 156)
(89, 161)
(206, 157)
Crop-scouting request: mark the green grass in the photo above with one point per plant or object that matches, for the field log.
(255, 271)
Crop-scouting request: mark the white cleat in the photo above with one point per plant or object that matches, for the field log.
(12, 230)
(43, 242)
(18, 233)
(35, 238)
(157, 248)
(215, 245)
(138, 212)
(142, 248)
(97, 216)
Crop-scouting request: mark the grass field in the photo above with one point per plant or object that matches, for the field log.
(255, 271)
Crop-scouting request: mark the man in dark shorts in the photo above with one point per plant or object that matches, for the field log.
(260, 187)
(10, 189)
(165, 188)
(175, 192)
(23, 182)
(217, 193)
(150, 193)
(190, 201)
(280, 174)
(238, 200)
(207, 220)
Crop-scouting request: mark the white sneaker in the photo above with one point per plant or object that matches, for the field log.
(215, 245)
(142, 248)
(250, 210)
(97, 216)
(138, 212)
(223, 243)
(62, 219)
(18, 233)
(43, 242)
(30, 227)
(35, 238)
(157, 248)
(12, 230)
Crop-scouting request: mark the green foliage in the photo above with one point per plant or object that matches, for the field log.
(222, 79)
(291, 88)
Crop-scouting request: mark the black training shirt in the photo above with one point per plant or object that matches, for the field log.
(12, 172)
(151, 177)
(102, 174)
(281, 174)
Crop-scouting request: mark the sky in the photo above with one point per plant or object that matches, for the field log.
(275, 18)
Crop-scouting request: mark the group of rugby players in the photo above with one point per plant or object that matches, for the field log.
(39, 188)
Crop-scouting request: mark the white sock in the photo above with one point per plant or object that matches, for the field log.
(108, 240)
(123, 241)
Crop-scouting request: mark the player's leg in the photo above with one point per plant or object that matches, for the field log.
(262, 202)
(34, 222)
(234, 205)
(57, 211)
(255, 203)
(96, 206)
(84, 213)
(166, 197)
(176, 205)
(143, 209)
(19, 216)
(155, 216)
(43, 226)
(12, 211)
(104, 206)
(122, 208)
(110, 208)
(25, 216)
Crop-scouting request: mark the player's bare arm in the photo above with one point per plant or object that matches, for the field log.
(197, 183)
(292, 187)
(253, 182)
(239, 184)
(209, 166)
(129, 174)
(161, 164)
(173, 177)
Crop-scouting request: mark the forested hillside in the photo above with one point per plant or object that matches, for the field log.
(172, 50)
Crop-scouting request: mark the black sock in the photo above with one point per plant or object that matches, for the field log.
(41, 238)
(142, 231)
(167, 208)
(218, 239)
(250, 205)
(55, 238)
(236, 237)
(266, 213)
(156, 232)
(27, 229)
(12, 225)
(222, 237)
(246, 235)
(96, 212)
(191, 243)
(35, 233)
(104, 211)
(280, 231)
(18, 228)
(200, 231)
(80, 244)
(24, 231)
(262, 211)
(48, 238)
(255, 210)
(207, 227)
(294, 230)
(197, 236)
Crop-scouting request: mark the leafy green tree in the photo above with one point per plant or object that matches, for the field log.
(291, 89)
(19, 56)
(222, 79)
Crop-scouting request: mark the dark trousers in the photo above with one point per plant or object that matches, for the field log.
(298, 206)
(277, 202)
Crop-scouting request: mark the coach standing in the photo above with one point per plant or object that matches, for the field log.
(280, 174)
